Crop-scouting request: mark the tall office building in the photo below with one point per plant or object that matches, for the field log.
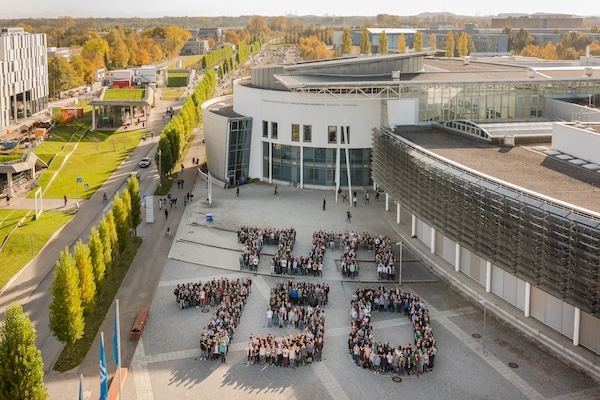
(23, 75)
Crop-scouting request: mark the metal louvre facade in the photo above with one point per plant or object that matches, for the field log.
(542, 242)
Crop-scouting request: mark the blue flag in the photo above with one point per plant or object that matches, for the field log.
(116, 341)
(103, 372)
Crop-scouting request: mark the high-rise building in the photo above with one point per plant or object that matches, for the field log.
(23, 75)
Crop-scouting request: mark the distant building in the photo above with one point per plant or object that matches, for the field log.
(23, 75)
(194, 47)
(64, 52)
(544, 21)
(215, 33)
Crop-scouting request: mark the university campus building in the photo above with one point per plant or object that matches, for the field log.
(23, 75)
(463, 150)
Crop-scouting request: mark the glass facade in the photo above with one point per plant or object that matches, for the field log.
(318, 165)
(238, 161)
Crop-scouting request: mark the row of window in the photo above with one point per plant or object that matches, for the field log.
(332, 132)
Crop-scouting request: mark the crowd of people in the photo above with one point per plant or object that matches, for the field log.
(229, 298)
(254, 238)
(417, 357)
(298, 305)
(284, 263)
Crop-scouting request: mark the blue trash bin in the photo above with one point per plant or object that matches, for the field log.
(209, 217)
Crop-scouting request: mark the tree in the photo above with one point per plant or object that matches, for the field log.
(114, 237)
(508, 32)
(66, 311)
(531, 51)
(166, 157)
(346, 47)
(107, 250)
(449, 44)
(97, 257)
(22, 372)
(401, 44)
(311, 48)
(61, 76)
(94, 50)
(419, 41)
(382, 43)
(463, 45)
(258, 26)
(521, 39)
(433, 41)
(133, 186)
(122, 221)
(87, 283)
(365, 43)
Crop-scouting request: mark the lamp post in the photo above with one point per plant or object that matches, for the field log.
(484, 302)
(400, 245)
(159, 169)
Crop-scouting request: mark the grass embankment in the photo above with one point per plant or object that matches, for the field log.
(27, 241)
(171, 94)
(192, 61)
(177, 79)
(97, 156)
(124, 94)
(73, 354)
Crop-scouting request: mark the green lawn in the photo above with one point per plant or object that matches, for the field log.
(60, 137)
(171, 94)
(177, 79)
(124, 94)
(28, 240)
(192, 61)
(98, 155)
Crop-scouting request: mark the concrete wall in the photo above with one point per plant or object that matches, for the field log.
(215, 138)
(577, 142)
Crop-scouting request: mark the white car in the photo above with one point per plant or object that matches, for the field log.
(145, 162)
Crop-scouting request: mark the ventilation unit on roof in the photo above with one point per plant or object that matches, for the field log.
(588, 71)
(396, 75)
(531, 73)
(466, 61)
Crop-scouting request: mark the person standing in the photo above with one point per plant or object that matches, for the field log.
(276, 190)
(348, 216)
(8, 200)
(324, 204)
(166, 213)
(65, 199)
(354, 200)
(366, 197)
(237, 191)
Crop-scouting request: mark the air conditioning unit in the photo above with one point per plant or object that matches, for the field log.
(531, 73)
(588, 71)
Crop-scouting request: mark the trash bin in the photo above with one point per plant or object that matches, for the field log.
(209, 217)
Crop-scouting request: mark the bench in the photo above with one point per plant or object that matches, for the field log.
(113, 390)
(140, 323)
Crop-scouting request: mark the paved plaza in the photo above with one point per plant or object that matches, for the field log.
(166, 363)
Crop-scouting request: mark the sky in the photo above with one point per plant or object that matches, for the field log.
(159, 8)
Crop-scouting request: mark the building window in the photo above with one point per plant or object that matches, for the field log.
(332, 134)
(345, 132)
(265, 132)
(307, 133)
(295, 133)
(273, 130)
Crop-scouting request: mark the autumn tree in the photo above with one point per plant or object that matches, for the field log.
(549, 52)
(105, 234)
(114, 236)
(401, 44)
(346, 46)
(122, 222)
(462, 46)
(87, 283)
(365, 43)
(531, 51)
(232, 36)
(449, 44)
(311, 48)
(22, 371)
(97, 257)
(94, 50)
(382, 43)
(418, 41)
(133, 186)
(433, 41)
(258, 26)
(66, 310)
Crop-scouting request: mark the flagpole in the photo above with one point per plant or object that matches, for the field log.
(80, 386)
(118, 327)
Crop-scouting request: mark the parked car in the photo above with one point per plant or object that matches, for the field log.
(145, 162)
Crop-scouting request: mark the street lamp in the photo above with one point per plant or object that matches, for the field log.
(484, 303)
(400, 245)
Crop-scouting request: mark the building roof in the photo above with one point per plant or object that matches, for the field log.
(520, 166)
(225, 108)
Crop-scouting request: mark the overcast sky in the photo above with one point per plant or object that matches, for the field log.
(159, 8)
